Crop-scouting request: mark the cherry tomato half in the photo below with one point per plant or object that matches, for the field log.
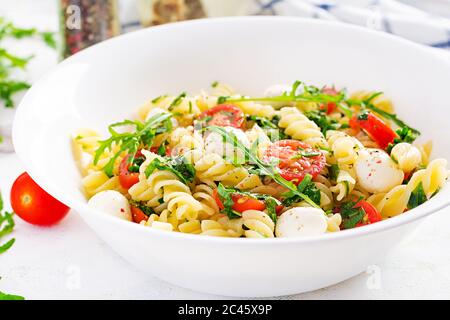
(138, 215)
(375, 128)
(223, 115)
(241, 202)
(33, 204)
(329, 107)
(128, 179)
(296, 159)
(372, 214)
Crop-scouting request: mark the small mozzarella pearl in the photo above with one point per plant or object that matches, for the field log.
(113, 203)
(214, 143)
(301, 222)
(376, 172)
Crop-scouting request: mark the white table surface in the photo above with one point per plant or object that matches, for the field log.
(69, 261)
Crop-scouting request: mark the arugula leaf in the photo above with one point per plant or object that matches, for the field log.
(227, 201)
(129, 142)
(265, 168)
(405, 134)
(367, 103)
(417, 197)
(9, 62)
(6, 227)
(179, 166)
(9, 88)
(308, 94)
(5, 297)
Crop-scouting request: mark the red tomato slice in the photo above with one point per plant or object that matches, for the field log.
(372, 214)
(33, 204)
(293, 166)
(330, 107)
(241, 202)
(375, 128)
(223, 115)
(127, 179)
(138, 215)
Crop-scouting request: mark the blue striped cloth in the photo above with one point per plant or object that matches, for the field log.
(423, 21)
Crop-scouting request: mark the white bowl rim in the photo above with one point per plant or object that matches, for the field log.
(83, 208)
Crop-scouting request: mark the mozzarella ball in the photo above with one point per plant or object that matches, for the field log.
(301, 222)
(153, 112)
(407, 156)
(215, 144)
(376, 172)
(113, 203)
(277, 90)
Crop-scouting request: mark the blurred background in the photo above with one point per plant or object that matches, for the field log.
(36, 34)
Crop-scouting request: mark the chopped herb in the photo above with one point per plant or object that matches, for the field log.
(262, 122)
(271, 208)
(307, 187)
(158, 99)
(214, 84)
(177, 101)
(417, 197)
(222, 100)
(363, 115)
(351, 216)
(323, 121)
(179, 166)
(334, 172)
(306, 154)
(144, 208)
(129, 142)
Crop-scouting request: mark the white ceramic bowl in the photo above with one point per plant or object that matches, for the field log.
(109, 81)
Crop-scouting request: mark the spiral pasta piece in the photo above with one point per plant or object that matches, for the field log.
(203, 193)
(175, 194)
(258, 223)
(256, 109)
(334, 221)
(97, 181)
(407, 156)
(396, 201)
(299, 127)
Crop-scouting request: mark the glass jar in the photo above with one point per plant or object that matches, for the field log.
(154, 12)
(87, 22)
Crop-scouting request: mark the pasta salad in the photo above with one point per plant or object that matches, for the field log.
(297, 161)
